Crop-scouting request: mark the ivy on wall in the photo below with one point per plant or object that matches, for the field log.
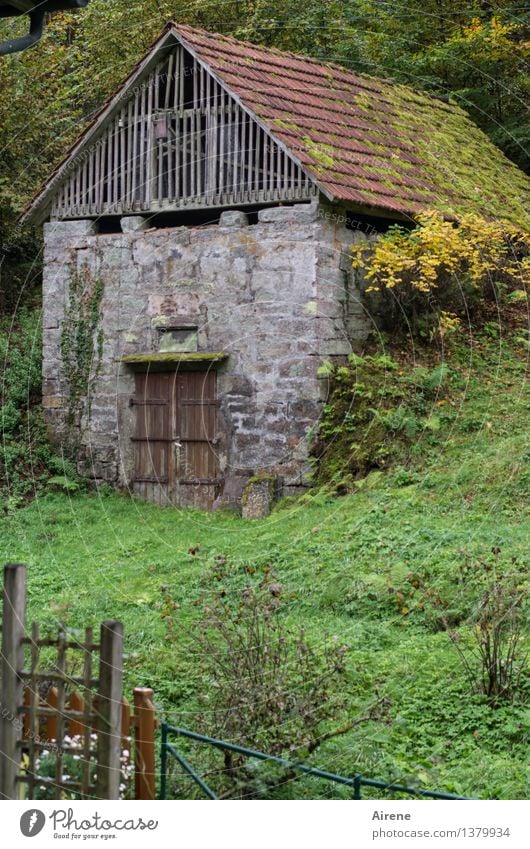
(81, 343)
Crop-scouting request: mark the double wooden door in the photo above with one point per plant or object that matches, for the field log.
(175, 442)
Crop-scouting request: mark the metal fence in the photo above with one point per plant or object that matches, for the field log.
(355, 782)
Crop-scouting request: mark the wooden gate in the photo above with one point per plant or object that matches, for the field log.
(175, 438)
(65, 728)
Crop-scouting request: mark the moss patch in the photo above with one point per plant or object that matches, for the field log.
(174, 357)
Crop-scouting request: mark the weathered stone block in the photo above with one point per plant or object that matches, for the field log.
(300, 212)
(258, 497)
(134, 223)
(67, 230)
(233, 218)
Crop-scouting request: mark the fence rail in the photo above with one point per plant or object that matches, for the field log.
(356, 782)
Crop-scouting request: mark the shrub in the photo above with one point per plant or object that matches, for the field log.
(495, 658)
(439, 270)
(264, 686)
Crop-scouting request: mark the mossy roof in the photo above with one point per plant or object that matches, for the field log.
(369, 141)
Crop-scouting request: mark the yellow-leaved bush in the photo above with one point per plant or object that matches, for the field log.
(473, 252)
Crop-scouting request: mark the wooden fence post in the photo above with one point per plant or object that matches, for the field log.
(109, 710)
(12, 660)
(144, 744)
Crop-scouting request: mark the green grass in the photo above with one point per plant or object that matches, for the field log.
(341, 562)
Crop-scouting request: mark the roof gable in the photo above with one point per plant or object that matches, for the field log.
(367, 142)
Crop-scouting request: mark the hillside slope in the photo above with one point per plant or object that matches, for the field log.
(456, 506)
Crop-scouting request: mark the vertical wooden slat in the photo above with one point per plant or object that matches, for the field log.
(127, 201)
(156, 84)
(11, 661)
(101, 168)
(199, 154)
(76, 726)
(141, 164)
(215, 139)
(61, 666)
(135, 151)
(299, 181)
(195, 85)
(144, 744)
(193, 156)
(265, 166)
(52, 701)
(184, 153)
(87, 716)
(208, 93)
(181, 82)
(125, 722)
(271, 168)
(256, 161)
(235, 163)
(169, 79)
(229, 155)
(116, 165)
(222, 140)
(109, 710)
(108, 140)
(177, 78)
(123, 162)
(158, 155)
(90, 200)
(150, 152)
(243, 157)
(171, 142)
(76, 201)
(84, 186)
(34, 704)
(26, 701)
(178, 158)
(208, 158)
(250, 159)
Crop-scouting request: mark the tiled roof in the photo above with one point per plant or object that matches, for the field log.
(368, 141)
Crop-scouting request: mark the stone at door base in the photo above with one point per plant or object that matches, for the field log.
(258, 497)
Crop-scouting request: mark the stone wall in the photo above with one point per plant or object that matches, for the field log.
(277, 296)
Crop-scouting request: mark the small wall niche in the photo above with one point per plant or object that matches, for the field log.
(182, 338)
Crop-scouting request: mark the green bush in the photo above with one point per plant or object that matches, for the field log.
(26, 460)
(376, 409)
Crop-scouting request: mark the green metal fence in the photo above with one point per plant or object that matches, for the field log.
(356, 782)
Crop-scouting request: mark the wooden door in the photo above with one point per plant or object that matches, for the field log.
(175, 438)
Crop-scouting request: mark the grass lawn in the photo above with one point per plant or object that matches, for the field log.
(344, 565)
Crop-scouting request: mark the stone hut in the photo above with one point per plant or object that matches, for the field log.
(196, 270)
